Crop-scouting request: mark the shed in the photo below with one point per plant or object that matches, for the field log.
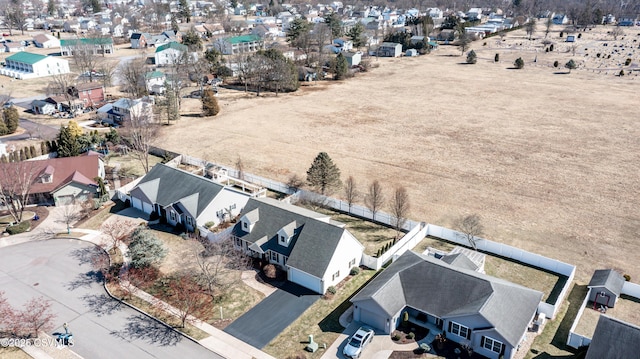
(353, 58)
(605, 287)
(571, 38)
(389, 49)
(411, 52)
(42, 107)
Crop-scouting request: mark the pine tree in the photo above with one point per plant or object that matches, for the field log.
(27, 153)
(43, 148)
(340, 67)
(185, 13)
(3, 129)
(22, 156)
(4, 158)
(324, 175)
(11, 119)
(210, 105)
(68, 145)
(32, 151)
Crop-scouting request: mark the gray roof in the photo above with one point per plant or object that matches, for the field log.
(614, 339)
(167, 185)
(460, 260)
(435, 287)
(609, 279)
(314, 240)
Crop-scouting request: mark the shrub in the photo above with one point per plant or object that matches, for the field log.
(556, 64)
(425, 347)
(472, 58)
(19, 228)
(270, 271)
(496, 58)
(627, 277)
(627, 62)
(579, 36)
(561, 33)
(154, 216)
(598, 55)
(395, 337)
(209, 224)
(551, 47)
(411, 335)
(331, 290)
(621, 73)
(519, 63)
(354, 271)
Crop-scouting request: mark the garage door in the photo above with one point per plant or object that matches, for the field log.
(305, 280)
(370, 318)
(136, 203)
(147, 207)
(64, 200)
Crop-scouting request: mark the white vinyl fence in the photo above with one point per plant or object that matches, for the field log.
(413, 237)
(576, 340)
(631, 289)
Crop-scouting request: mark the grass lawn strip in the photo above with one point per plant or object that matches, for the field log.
(130, 165)
(101, 215)
(320, 320)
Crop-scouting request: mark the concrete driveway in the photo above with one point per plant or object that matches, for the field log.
(59, 270)
(272, 315)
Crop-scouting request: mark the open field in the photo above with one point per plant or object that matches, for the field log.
(549, 161)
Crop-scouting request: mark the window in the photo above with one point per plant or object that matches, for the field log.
(173, 216)
(336, 275)
(492, 344)
(232, 207)
(459, 330)
(238, 242)
(282, 239)
(189, 220)
(274, 256)
(352, 262)
(245, 225)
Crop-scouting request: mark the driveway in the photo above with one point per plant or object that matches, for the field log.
(59, 270)
(272, 315)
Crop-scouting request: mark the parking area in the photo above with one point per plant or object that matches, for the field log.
(272, 315)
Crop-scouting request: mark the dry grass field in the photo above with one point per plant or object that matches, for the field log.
(550, 161)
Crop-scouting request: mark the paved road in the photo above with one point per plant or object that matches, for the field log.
(266, 320)
(102, 327)
(35, 130)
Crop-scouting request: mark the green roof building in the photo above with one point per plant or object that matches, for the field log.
(97, 45)
(239, 44)
(25, 65)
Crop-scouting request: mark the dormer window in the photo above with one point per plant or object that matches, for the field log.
(285, 234)
(47, 179)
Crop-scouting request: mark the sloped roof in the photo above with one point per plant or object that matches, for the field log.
(314, 240)
(243, 38)
(26, 57)
(609, 279)
(460, 260)
(433, 286)
(87, 41)
(89, 86)
(172, 45)
(153, 75)
(167, 185)
(614, 339)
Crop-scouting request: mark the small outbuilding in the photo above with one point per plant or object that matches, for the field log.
(411, 53)
(389, 49)
(605, 287)
(353, 58)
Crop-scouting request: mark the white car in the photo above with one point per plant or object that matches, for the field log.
(357, 342)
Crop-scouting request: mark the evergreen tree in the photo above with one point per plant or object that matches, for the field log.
(335, 24)
(68, 144)
(32, 151)
(113, 136)
(356, 35)
(51, 7)
(22, 156)
(210, 105)
(174, 24)
(192, 40)
(340, 67)
(145, 248)
(27, 153)
(472, 58)
(11, 119)
(571, 65)
(298, 33)
(3, 129)
(185, 13)
(323, 175)
(4, 158)
(43, 148)
(519, 63)
(95, 5)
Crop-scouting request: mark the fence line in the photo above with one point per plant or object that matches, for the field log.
(407, 242)
(631, 289)
(574, 339)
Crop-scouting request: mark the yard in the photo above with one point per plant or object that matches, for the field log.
(130, 166)
(371, 235)
(99, 216)
(320, 320)
(627, 309)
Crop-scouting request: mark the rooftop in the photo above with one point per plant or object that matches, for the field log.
(243, 38)
(26, 57)
(87, 41)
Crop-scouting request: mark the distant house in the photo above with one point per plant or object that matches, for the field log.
(71, 26)
(389, 49)
(605, 287)
(46, 41)
(60, 181)
(315, 251)
(239, 44)
(353, 58)
(490, 315)
(139, 40)
(560, 19)
(614, 339)
(446, 35)
(154, 81)
(13, 47)
(91, 93)
(25, 65)
(97, 46)
(42, 107)
(117, 30)
(169, 54)
(185, 198)
(265, 30)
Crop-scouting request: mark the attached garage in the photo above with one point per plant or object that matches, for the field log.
(147, 207)
(306, 280)
(64, 200)
(373, 319)
(136, 203)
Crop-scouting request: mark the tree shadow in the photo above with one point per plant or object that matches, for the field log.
(85, 280)
(145, 328)
(101, 304)
(85, 255)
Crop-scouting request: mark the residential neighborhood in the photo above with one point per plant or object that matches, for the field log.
(260, 180)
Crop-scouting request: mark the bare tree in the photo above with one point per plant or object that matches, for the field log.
(61, 85)
(187, 297)
(37, 315)
(140, 132)
(16, 179)
(351, 193)
(69, 214)
(15, 17)
(132, 77)
(240, 168)
(219, 265)
(548, 24)
(530, 28)
(400, 207)
(616, 32)
(7, 317)
(85, 58)
(117, 231)
(470, 227)
(108, 70)
(374, 198)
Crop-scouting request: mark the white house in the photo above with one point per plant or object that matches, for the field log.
(435, 13)
(122, 109)
(25, 65)
(239, 44)
(154, 81)
(316, 252)
(46, 41)
(169, 54)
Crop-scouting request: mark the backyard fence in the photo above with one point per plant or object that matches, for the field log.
(123, 192)
(215, 236)
(631, 289)
(406, 243)
(574, 339)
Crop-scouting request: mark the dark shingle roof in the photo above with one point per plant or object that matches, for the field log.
(167, 185)
(614, 339)
(609, 279)
(460, 260)
(314, 238)
(435, 287)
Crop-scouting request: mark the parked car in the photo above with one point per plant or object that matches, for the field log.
(357, 342)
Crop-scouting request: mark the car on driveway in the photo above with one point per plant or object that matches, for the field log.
(357, 342)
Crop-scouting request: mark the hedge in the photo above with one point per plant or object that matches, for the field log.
(19, 228)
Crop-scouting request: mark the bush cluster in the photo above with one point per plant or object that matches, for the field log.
(354, 271)
(270, 271)
(332, 290)
(19, 228)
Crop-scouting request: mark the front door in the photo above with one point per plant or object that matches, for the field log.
(439, 323)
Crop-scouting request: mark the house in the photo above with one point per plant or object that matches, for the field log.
(614, 339)
(139, 40)
(87, 24)
(239, 44)
(560, 19)
(353, 58)
(117, 30)
(265, 31)
(170, 54)
(71, 26)
(25, 65)
(42, 107)
(46, 41)
(60, 181)
(122, 109)
(91, 93)
(172, 35)
(389, 49)
(96, 45)
(446, 35)
(13, 47)
(605, 287)
(316, 252)
(490, 315)
(154, 81)
(186, 199)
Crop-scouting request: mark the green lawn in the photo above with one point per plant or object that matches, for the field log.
(320, 320)
(130, 165)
